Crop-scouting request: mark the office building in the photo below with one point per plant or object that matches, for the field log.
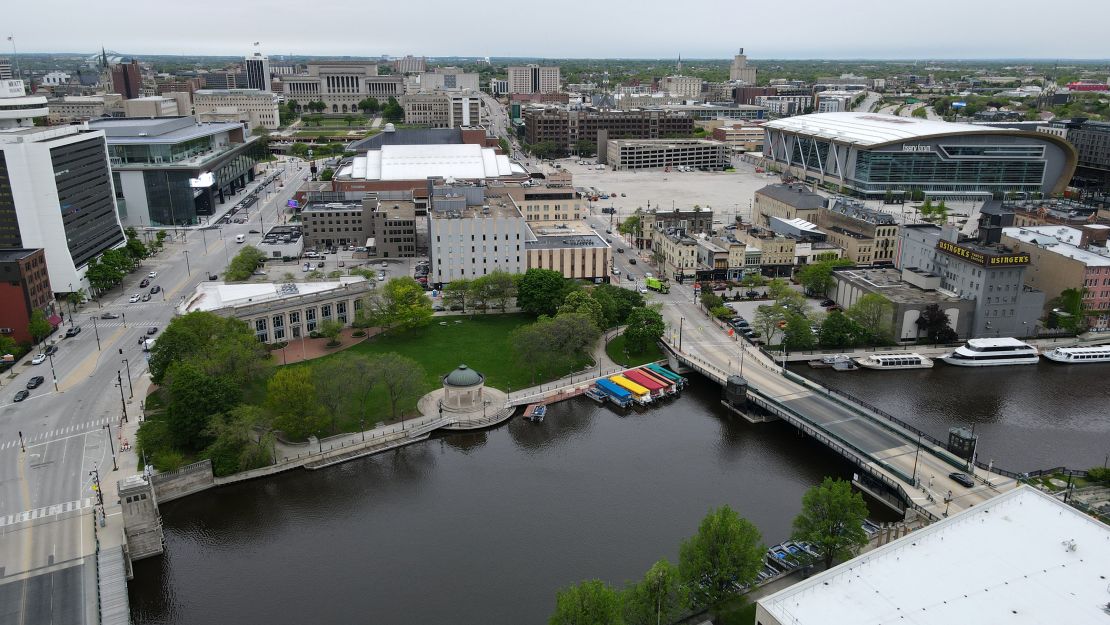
(1060, 261)
(909, 292)
(702, 154)
(691, 221)
(566, 128)
(785, 105)
(175, 171)
(785, 201)
(55, 79)
(740, 137)
(256, 108)
(740, 70)
(678, 251)
(281, 312)
(706, 111)
(340, 85)
(81, 108)
(544, 204)
(177, 84)
(835, 101)
(1022, 556)
(150, 106)
(6, 70)
(443, 109)
(498, 86)
(56, 189)
(867, 236)
(24, 288)
(1092, 145)
(533, 79)
(469, 241)
(282, 242)
(258, 72)
(871, 154)
(127, 79)
(682, 86)
(991, 275)
(443, 78)
(776, 251)
(409, 64)
(385, 223)
(573, 249)
(223, 80)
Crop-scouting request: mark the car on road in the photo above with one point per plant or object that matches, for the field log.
(642, 290)
(144, 283)
(145, 297)
(50, 350)
(38, 359)
(631, 261)
(608, 231)
(152, 275)
(213, 276)
(385, 264)
(35, 382)
(109, 316)
(151, 331)
(438, 308)
(620, 250)
(253, 232)
(381, 277)
(154, 289)
(962, 478)
(134, 298)
(21, 395)
(629, 276)
(73, 331)
(616, 271)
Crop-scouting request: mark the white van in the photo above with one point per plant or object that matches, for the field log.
(239, 238)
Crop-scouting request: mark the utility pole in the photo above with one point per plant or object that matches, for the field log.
(187, 268)
(96, 332)
(128, 365)
(122, 401)
(111, 446)
(53, 375)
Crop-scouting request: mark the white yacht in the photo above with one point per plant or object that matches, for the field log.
(1080, 354)
(895, 360)
(992, 353)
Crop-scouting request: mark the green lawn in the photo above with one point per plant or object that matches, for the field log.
(333, 132)
(615, 350)
(357, 120)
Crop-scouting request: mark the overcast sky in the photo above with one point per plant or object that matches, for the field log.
(570, 28)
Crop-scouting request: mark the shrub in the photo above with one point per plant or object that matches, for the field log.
(1099, 474)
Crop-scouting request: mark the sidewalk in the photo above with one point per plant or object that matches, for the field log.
(302, 349)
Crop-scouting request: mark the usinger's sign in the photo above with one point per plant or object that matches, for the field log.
(981, 258)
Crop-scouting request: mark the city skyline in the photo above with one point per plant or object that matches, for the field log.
(626, 33)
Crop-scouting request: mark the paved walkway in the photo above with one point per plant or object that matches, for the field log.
(299, 350)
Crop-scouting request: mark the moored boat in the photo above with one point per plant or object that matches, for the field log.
(992, 353)
(895, 360)
(1077, 355)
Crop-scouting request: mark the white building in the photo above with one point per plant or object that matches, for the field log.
(54, 79)
(464, 161)
(498, 86)
(1022, 558)
(60, 195)
(256, 107)
(443, 78)
(835, 101)
(443, 109)
(533, 79)
(470, 242)
(258, 72)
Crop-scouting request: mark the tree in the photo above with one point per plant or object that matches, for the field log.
(500, 288)
(592, 602)
(160, 238)
(392, 111)
(233, 448)
(554, 343)
(455, 294)
(711, 301)
(400, 304)
(927, 210)
(76, 298)
(1067, 309)
(221, 346)
(839, 330)
(817, 278)
(332, 379)
(291, 399)
(194, 397)
(38, 327)
(832, 520)
(244, 263)
(797, 335)
(541, 291)
(506, 147)
(656, 599)
(327, 174)
(364, 375)
(767, 319)
(616, 303)
(330, 329)
(643, 328)
(875, 315)
(136, 249)
(726, 553)
(369, 105)
(630, 225)
(582, 302)
(585, 147)
(349, 119)
(403, 379)
(935, 324)
(786, 297)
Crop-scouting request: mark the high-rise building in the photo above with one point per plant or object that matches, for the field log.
(533, 79)
(566, 128)
(56, 190)
(443, 109)
(258, 72)
(739, 69)
(5, 69)
(127, 80)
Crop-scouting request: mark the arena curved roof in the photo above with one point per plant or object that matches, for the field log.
(874, 129)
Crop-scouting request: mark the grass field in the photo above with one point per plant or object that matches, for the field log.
(357, 120)
(615, 350)
(334, 132)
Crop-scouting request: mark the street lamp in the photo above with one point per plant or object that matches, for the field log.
(111, 445)
(128, 365)
(187, 268)
(96, 332)
(53, 375)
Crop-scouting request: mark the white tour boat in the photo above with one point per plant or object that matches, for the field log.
(1079, 354)
(895, 360)
(992, 353)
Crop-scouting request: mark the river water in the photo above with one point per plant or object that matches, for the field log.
(485, 527)
(475, 528)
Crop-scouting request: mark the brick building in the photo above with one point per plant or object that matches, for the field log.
(565, 128)
(24, 288)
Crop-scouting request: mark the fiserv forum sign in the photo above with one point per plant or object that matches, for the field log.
(980, 258)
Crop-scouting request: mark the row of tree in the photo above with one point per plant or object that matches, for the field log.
(493, 290)
(716, 564)
(391, 110)
(108, 270)
(244, 264)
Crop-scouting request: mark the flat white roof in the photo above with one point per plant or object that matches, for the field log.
(1021, 558)
(416, 162)
(1004, 341)
(874, 128)
(1060, 240)
(217, 295)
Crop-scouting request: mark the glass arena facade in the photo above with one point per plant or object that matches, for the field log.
(871, 154)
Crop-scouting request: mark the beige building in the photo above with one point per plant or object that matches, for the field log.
(739, 70)
(443, 109)
(259, 108)
(443, 78)
(281, 312)
(678, 251)
(776, 252)
(575, 250)
(387, 226)
(868, 236)
(534, 79)
(472, 241)
(625, 154)
(682, 86)
(541, 204)
(150, 106)
(785, 201)
(740, 137)
(77, 108)
(1058, 261)
(340, 85)
(692, 221)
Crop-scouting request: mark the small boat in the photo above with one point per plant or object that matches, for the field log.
(596, 395)
(1079, 355)
(830, 361)
(845, 365)
(535, 413)
(992, 353)
(895, 360)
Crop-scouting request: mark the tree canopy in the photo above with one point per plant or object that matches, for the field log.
(817, 278)
(541, 291)
(218, 345)
(726, 553)
(643, 328)
(657, 598)
(592, 602)
(875, 316)
(244, 263)
(832, 520)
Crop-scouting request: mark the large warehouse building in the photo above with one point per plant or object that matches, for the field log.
(870, 154)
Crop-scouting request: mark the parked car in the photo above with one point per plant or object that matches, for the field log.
(50, 350)
(152, 275)
(438, 308)
(145, 297)
(109, 316)
(253, 232)
(381, 277)
(213, 276)
(154, 289)
(608, 231)
(962, 479)
(827, 302)
(631, 261)
(134, 298)
(38, 359)
(385, 264)
(620, 250)
(21, 395)
(73, 331)
(35, 382)
(151, 331)
(144, 283)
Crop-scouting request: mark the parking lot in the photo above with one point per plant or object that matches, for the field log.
(341, 261)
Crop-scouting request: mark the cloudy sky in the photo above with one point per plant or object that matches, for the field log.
(571, 28)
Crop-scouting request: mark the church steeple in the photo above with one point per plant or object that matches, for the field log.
(678, 70)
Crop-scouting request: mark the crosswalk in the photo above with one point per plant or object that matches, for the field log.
(44, 437)
(45, 511)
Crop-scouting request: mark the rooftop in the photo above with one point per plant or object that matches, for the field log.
(888, 282)
(217, 295)
(797, 195)
(874, 129)
(409, 136)
(857, 211)
(419, 162)
(1021, 558)
(11, 255)
(1056, 239)
(142, 130)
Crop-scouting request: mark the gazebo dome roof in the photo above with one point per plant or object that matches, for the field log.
(463, 376)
